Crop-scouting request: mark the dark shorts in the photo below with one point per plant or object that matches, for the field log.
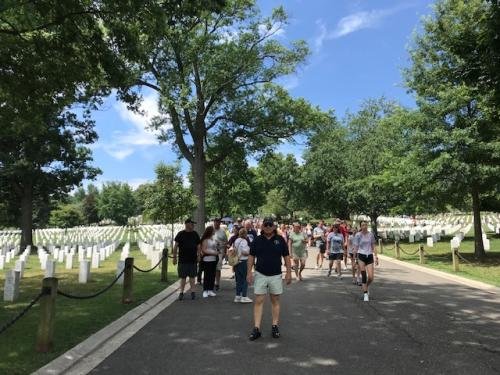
(366, 259)
(322, 246)
(186, 270)
(336, 256)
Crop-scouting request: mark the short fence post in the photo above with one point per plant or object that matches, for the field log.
(127, 280)
(164, 266)
(454, 258)
(421, 253)
(398, 254)
(47, 315)
(380, 246)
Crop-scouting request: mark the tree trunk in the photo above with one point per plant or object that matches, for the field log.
(374, 217)
(479, 252)
(27, 216)
(199, 190)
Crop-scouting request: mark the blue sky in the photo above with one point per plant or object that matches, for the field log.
(358, 48)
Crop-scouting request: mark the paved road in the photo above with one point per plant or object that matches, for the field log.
(414, 324)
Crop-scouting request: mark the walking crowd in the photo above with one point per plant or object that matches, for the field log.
(258, 250)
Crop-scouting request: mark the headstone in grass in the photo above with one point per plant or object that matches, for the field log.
(43, 261)
(95, 260)
(69, 261)
(7, 257)
(120, 266)
(11, 288)
(411, 238)
(19, 267)
(2, 262)
(486, 244)
(60, 258)
(102, 254)
(430, 242)
(84, 273)
(50, 268)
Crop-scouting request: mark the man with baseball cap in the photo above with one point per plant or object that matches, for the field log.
(187, 242)
(266, 251)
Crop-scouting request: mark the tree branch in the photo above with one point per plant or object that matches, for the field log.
(179, 138)
(148, 84)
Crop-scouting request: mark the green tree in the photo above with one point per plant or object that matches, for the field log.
(168, 200)
(141, 195)
(215, 75)
(66, 216)
(116, 202)
(275, 204)
(232, 187)
(283, 174)
(325, 172)
(459, 134)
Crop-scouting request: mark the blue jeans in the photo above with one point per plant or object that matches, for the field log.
(241, 278)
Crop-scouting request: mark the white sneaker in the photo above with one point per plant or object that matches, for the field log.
(316, 267)
(365, 297)
(205, 293)
(345, 268)
(211, 293)
(246, 300)
(237, 299)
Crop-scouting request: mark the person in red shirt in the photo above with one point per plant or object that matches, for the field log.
(345, 233)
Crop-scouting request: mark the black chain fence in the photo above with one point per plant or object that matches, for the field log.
(71, 296)
(151, 269)
(22, 313)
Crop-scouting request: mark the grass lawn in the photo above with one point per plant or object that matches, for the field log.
(75, 319)
(439, 257)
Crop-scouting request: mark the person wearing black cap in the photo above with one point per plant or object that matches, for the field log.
(187, 244)
(268, 249)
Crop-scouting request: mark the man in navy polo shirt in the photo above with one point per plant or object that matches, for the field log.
(268, 249)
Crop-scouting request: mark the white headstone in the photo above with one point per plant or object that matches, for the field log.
(11, 288)
(102, 254)
(20, 267)
(120, 266)
(56, 253)
(430, 242)
(7, 257)
(81, 255)
(455, 243)
(2, 262)
(155, 258)
(411, 238)
(69, 261)
(486, 244)
(95, 260)
(60, 258)
(84, 274)
(43, 261)
(50, 268)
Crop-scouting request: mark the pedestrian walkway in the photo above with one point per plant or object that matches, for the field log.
(415, 323)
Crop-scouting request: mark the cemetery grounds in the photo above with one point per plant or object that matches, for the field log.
(75, 320)
(439, 255)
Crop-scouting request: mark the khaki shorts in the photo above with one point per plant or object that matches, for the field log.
(267, 284)
(219, 263)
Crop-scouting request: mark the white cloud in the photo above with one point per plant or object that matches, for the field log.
(135, 182)
(136, 133)
(355, 22)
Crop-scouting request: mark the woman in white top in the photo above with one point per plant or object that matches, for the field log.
(365, 250)
(209, 256)
(242, 248)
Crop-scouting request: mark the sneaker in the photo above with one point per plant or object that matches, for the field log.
(181, 296)
(316, 267)
(246, 300)
(338, 276)
(217, 287)
(211, 293)
(365, 297)
(237, 299)
(329, 272)
(232, 277)
(255, 334)
(205, 293)
(275, 332)
(193, 295)
(345, 268)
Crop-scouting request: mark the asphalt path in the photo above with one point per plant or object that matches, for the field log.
(415, 323)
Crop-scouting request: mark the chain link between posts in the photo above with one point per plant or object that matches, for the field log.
(151, 269)
(71, 296)
(461, 257)
(408, 253)
(22, 313)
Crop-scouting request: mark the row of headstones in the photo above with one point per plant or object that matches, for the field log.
(153, 250)
(13, 277)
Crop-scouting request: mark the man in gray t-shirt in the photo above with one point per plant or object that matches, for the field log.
(220, 238)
